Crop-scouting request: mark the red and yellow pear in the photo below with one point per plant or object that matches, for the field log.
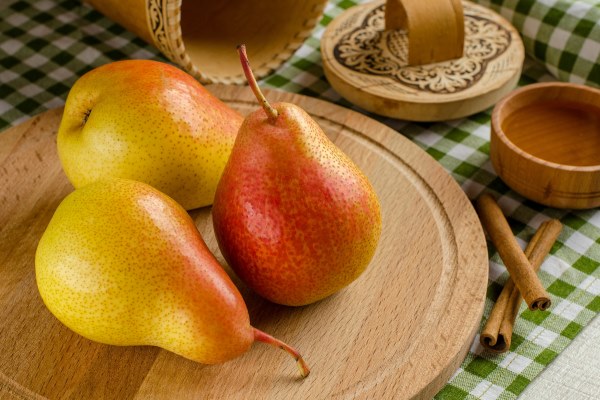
(294, 217)
(151, 122)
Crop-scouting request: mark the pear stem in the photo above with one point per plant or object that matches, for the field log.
(271, 112)
(261, 336)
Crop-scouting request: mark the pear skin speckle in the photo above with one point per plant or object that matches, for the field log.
(147, 121)
(294, 217)
(123, 264)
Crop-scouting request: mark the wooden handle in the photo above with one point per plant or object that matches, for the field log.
(436, 28)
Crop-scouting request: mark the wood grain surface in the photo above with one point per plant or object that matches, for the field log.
(369, 65)
(399, 331)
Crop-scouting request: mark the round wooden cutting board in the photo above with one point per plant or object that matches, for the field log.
(399, 331)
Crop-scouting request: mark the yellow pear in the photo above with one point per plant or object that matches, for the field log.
(147, 121)
(122, 263)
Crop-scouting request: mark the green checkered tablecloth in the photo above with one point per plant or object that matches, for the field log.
(562, 34)
(46, 45)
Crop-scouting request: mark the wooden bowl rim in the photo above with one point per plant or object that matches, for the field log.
(497, 124)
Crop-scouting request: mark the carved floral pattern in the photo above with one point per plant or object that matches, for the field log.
(157, 20)
(371, 50)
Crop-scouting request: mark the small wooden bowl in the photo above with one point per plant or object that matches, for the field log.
(545, 144)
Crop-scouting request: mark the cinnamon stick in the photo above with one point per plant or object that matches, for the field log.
(517, 264)
(497, 333)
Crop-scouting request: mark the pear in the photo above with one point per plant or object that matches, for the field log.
(151, 122)
(294, 217)
(121, 263)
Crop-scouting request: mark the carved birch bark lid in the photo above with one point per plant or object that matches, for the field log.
(201, 35)
(422, 60)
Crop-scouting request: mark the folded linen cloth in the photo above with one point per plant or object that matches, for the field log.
(562, 34)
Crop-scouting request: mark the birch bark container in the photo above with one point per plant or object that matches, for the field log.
(201, 36)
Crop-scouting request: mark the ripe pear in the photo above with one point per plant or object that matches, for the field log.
(294, 217)
(121, 263)
(147, 121)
